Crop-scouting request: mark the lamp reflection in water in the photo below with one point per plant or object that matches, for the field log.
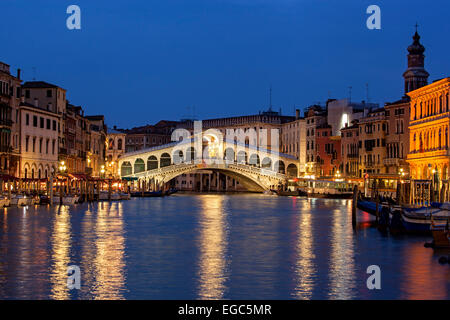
(60, 254)
(213, 244)
(305, 271)
(342, 264)
(109, 263)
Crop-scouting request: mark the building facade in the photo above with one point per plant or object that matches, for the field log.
(114, 150)
(49, 97)
(397, 137)
(10, 93)
(315, 116)
(96, 156)
(350, 150)
(429, 152)
(328, 151)
(372, 142)
(38, 142)
(76, 140)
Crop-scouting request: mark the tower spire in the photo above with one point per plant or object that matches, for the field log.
(415, 76)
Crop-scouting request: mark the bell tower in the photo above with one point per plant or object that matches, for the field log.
(415, 76)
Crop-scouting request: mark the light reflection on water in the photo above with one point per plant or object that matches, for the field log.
(210, 247)
(213, 245)
(305, 270)
(342, 254)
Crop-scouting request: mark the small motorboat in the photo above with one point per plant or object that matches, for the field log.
(153, 194)
(125, 196)
(69, 200)
(35, 200)
(19, 200)
(44, 199)
(292, 193)
(419, 219)
(171, 191)
(4, 202)
(103, 195)
(115, 196)
(441, 234)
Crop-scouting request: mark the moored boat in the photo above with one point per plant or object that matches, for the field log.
(125, 196)
(441, 234)
(69, 200)
(3, 202)
(19, 200)
(420, 219)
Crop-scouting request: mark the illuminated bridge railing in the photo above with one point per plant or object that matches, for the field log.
(228, 144)
(199, 166)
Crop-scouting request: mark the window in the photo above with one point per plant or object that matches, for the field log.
(40, 145)
(46, 146)
(27, 117)
(27, 140)
(49, 93)
(34, 144)
(54, 125)
(49, 124)
(35, 121)
(27, 94)
(42, 122)
(53, 147)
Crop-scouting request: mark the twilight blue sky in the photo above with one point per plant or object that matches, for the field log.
(139, 61)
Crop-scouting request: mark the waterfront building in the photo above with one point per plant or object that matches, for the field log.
(96, 157)
(148, 136)
(429, 153)
(397, 137)
(38, 141)
(293, 140)
(350, 150)
(398, 113)
(76, 140)
(315, 116)
(343, 112)
(372, 142)
(10, 93)
(49, 97)
(116, 147)
(328, 151)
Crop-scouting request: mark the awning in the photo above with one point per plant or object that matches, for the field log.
(130, 178)
(78, 176)
(7, 177)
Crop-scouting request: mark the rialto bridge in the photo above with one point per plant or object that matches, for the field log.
(256, 169)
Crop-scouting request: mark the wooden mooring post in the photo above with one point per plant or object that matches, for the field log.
(355, 199)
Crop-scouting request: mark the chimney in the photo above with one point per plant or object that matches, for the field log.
(18, 73)
(36, 102)
(297, 114)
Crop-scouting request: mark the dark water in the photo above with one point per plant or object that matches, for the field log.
(211, 247)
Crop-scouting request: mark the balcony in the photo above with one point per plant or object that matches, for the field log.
(6, 149)
(391, 161)
(6, 123)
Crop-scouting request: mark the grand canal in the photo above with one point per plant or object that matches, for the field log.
(211, 247)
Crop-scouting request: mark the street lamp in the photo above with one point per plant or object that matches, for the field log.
(62, 167)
